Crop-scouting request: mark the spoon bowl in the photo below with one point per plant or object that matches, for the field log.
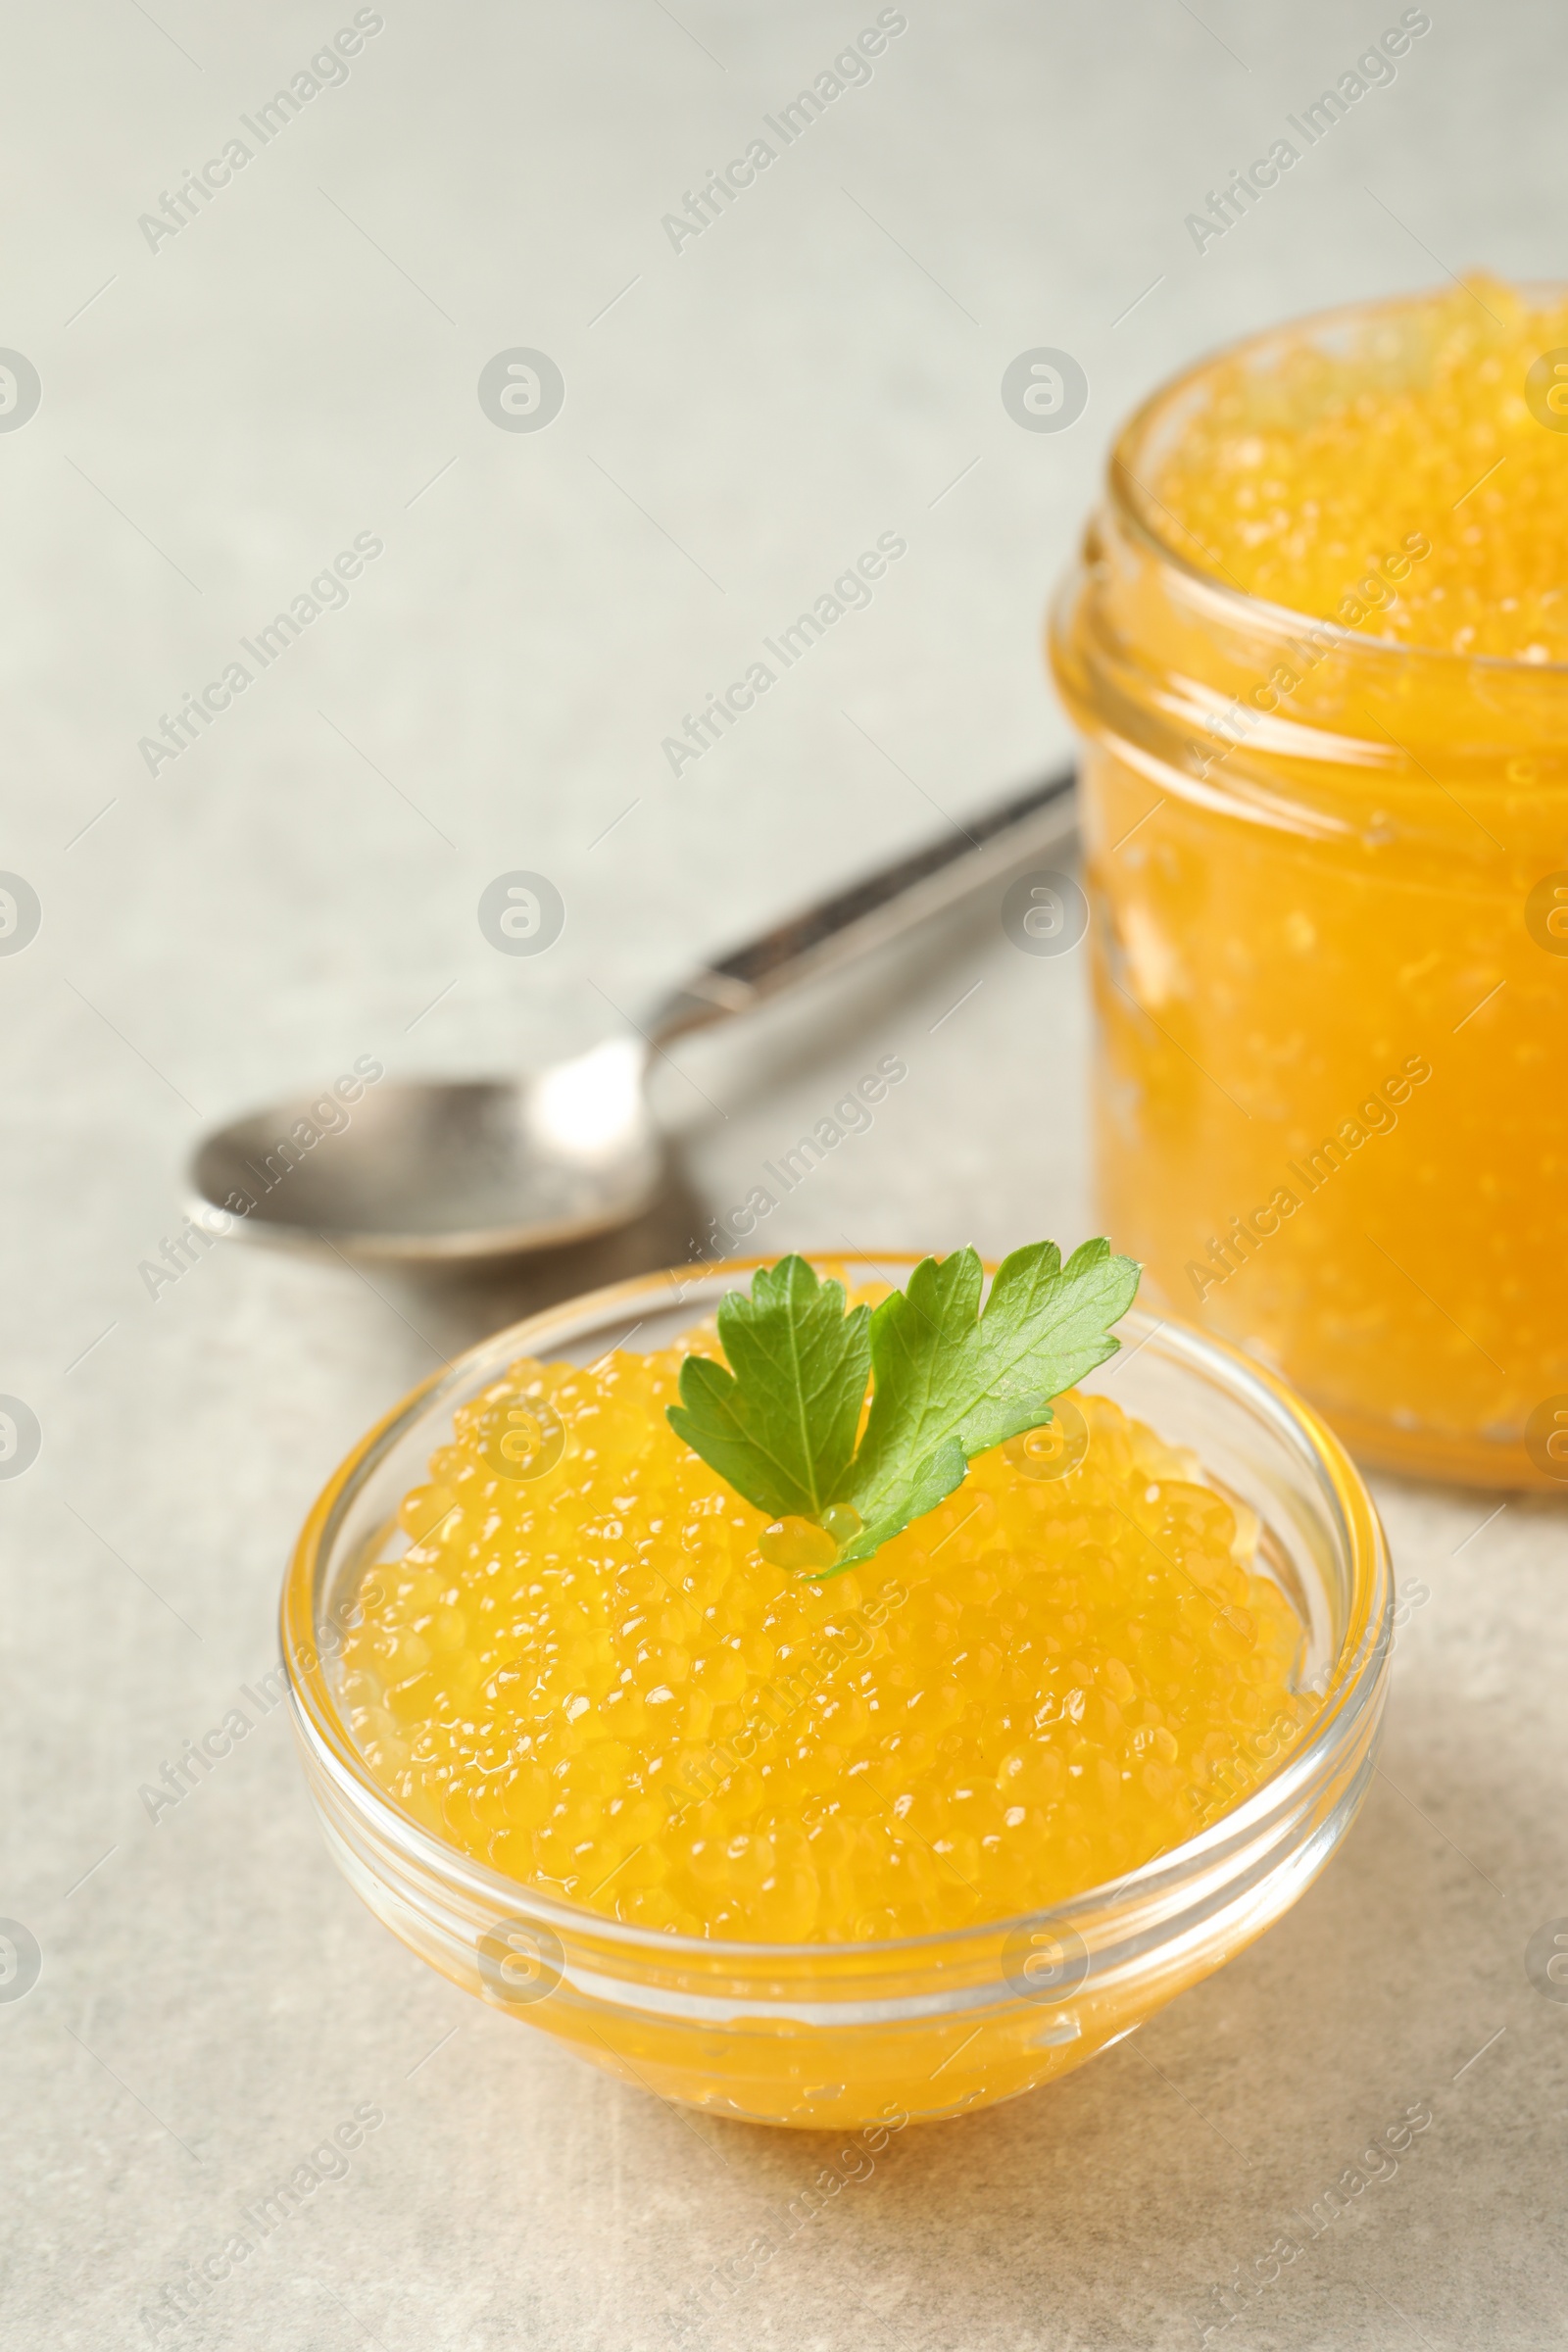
(444, 1168)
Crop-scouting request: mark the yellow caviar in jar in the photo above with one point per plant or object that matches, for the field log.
(584, 1671)
(1318, 648)
(1421, 447)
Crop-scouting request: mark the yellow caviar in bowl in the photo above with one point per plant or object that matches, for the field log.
(585, 1671)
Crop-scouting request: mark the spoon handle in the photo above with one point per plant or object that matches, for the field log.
(840, 929)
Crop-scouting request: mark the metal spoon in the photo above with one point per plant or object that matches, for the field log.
(436, 1168)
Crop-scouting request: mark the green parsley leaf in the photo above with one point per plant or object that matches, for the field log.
(780, 1425)
(951, 1382)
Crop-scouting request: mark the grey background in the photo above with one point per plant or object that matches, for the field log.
(218, 419)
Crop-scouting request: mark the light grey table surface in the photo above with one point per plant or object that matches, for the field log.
(223, 410)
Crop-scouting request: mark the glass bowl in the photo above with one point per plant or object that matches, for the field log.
(845, 2036)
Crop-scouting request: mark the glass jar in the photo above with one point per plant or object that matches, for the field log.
(868, 2035)
(1329, 925)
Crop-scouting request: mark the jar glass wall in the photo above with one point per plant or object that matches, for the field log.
(1330, 968)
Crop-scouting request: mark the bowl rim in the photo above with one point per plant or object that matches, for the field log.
(1357, 1679)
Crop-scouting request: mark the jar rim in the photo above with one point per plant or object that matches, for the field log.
(1357, 1677)
(1130, 501)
